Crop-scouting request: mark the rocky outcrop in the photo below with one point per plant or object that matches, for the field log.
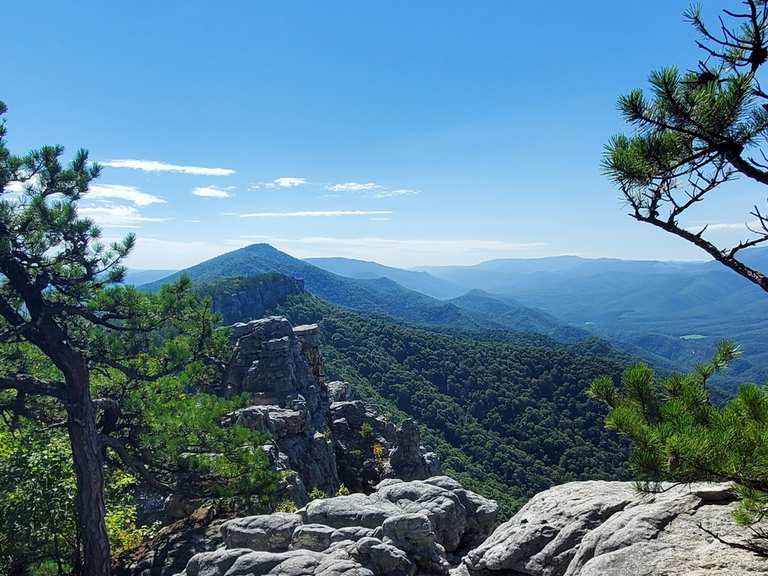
(281, 369)
(609, 529)
(400, 529)
(316, 431)
(171, 548)
(321, 439)
(408, 461)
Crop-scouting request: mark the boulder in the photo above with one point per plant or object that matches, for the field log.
(407, 460)
(266, 532)
(413, 534)
(367, 511)
(338, 391)
(315, 537)
(609, 529)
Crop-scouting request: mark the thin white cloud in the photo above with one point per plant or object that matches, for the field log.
(174, 254)
(353, 187)
(155, 166)
(158, 253)
(313, 214)
(289, 182)
(282, 182)
(210, 192)
(116, 216)
(120, 192)
(725, 226)
(397, 192)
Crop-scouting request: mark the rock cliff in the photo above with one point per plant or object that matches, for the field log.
(317, 431)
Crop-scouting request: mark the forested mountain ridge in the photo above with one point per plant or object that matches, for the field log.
(664, 311)
(419, 281)
(378, 295)
(508, 417)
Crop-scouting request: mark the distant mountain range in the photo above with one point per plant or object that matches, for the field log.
(676, 310)
(671, 313)
(382, 295)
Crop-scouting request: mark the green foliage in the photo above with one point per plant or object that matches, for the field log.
(342, 491)
(317, 494)
(679, 435)
(286, 506)
(134, 373)
(366, 430)
(37, 495)
(507, 416)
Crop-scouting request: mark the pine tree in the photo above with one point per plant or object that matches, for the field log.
(117, 364)
(678, 434)
(698, 130)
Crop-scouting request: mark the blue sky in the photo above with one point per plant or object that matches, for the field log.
(411, 133)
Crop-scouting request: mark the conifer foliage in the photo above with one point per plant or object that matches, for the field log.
(124, 373)
(679, 435)
(697, 130)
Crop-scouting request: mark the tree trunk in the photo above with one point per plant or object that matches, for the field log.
(89, 470)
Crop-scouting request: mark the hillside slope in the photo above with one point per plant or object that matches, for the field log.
(413, 280)
(376, 296)
(676, 310)
(507, 417)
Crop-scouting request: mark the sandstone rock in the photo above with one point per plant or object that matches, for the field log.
(315, 537)
(608, 529)
(379, 557)
(353, 533)
(406, 460)
(171, 548)
(338, 391)
(281, 368)
(367, 511)
(266, 532)
(254, 299)
(413, 534)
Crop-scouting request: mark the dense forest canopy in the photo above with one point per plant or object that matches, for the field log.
(509, 417)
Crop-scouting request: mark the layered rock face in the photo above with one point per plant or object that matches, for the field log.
(317, 432)
(609, 529)
(398, 530)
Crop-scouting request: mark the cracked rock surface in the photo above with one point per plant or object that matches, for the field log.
(402, 529)
(609, 529)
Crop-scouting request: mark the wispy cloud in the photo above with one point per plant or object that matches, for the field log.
(312, 214)
(289, 182)
(116, 216)
(16, 187)
(725, 226)
(162, 253)
(282, 182)
(353, 187)
(155, 166)
(121, 192)
(397, 192)
(371, 189)
(211, 192)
